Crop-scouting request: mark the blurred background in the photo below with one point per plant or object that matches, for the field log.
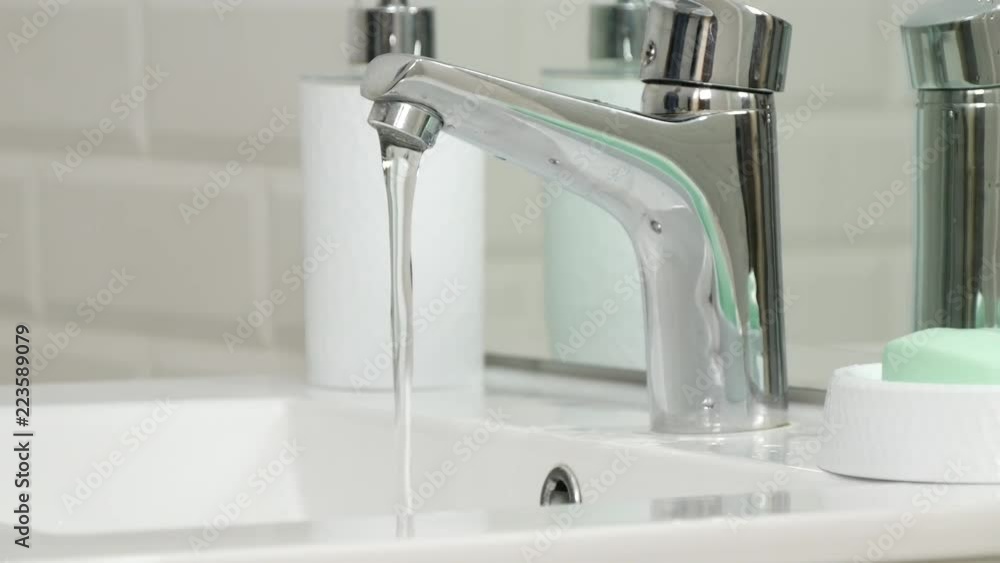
(169, 91)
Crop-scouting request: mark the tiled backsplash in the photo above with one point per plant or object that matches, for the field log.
(108, 244)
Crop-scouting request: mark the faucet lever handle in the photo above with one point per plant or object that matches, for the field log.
(715, 43)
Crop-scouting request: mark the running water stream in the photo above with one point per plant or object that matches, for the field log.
(400, 166)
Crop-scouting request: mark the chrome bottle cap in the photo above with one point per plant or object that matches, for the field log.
(954, 45)
(392, 27)
(722, 43)
(617, 30)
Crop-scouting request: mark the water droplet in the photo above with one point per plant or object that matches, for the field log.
(656, 226)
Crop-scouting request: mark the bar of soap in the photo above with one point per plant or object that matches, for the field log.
(946, 356)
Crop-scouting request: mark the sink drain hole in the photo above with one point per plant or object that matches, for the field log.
(560, 487)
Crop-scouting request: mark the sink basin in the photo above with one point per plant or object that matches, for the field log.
(176, 464)
(253, 468)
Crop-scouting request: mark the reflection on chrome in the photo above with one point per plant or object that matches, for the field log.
(956, 69)
(698, 195)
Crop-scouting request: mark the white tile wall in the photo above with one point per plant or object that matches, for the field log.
(286, 248)
(68, 75)
(120, 208)
(190, 279)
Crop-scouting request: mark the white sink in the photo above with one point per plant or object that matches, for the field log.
(301, 459)
(220, 467)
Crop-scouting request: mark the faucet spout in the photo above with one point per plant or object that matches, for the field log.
(693, 179)
(407, 125)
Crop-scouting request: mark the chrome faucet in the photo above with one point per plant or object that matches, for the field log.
(955, 66)
(693, 179)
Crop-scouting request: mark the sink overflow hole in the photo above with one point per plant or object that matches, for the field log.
(560, 488)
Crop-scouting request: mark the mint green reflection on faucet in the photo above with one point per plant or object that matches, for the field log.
(983, 317)
(724, 288)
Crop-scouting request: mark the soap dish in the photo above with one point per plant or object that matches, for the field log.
(915, 432)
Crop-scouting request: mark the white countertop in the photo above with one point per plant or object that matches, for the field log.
(830, 519)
